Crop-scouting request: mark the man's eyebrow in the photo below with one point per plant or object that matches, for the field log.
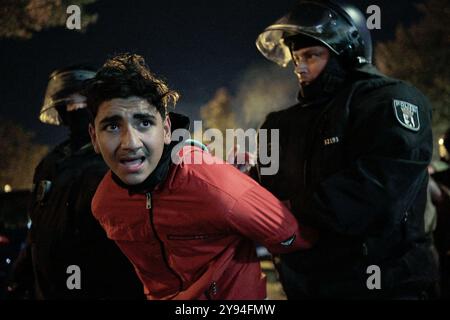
(144, 116)
(110, 119)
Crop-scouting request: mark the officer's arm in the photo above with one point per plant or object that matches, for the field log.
(387, 166)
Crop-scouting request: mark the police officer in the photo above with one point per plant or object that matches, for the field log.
(68, 252)
(354, 153)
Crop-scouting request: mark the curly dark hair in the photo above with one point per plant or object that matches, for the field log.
(127, 75)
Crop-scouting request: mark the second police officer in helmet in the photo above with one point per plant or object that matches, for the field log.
(68, 255)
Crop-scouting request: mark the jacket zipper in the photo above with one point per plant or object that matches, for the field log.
(148, 197)
(149, 206)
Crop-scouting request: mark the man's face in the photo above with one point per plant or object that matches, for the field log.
(309, 63)
(130, 134)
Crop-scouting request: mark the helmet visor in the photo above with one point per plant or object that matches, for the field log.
(61, 91)
(309, 19)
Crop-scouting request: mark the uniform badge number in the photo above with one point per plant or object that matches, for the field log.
(407, 114)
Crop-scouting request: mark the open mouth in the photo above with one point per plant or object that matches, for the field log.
(132, 163)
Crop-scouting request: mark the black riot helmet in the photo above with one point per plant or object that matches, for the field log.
(340, 27)
(444, 146)
(64, 88)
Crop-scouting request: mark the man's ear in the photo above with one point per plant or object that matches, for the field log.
(93, 137)
(167, 130)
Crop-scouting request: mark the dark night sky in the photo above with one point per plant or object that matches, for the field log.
(198, 46)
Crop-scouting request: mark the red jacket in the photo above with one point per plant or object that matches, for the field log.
(193, 236)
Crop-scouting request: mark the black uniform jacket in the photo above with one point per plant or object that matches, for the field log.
(65, 233)
(354, 166)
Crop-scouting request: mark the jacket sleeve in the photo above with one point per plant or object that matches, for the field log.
(260, 216)
(386, 165)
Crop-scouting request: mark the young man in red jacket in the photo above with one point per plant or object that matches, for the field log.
(188, 227)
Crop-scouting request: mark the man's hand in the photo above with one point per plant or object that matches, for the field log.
(243, 161)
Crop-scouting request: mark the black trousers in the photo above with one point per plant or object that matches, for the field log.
(298, 286)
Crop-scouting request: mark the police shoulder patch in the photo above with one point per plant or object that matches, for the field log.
(407, 114)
